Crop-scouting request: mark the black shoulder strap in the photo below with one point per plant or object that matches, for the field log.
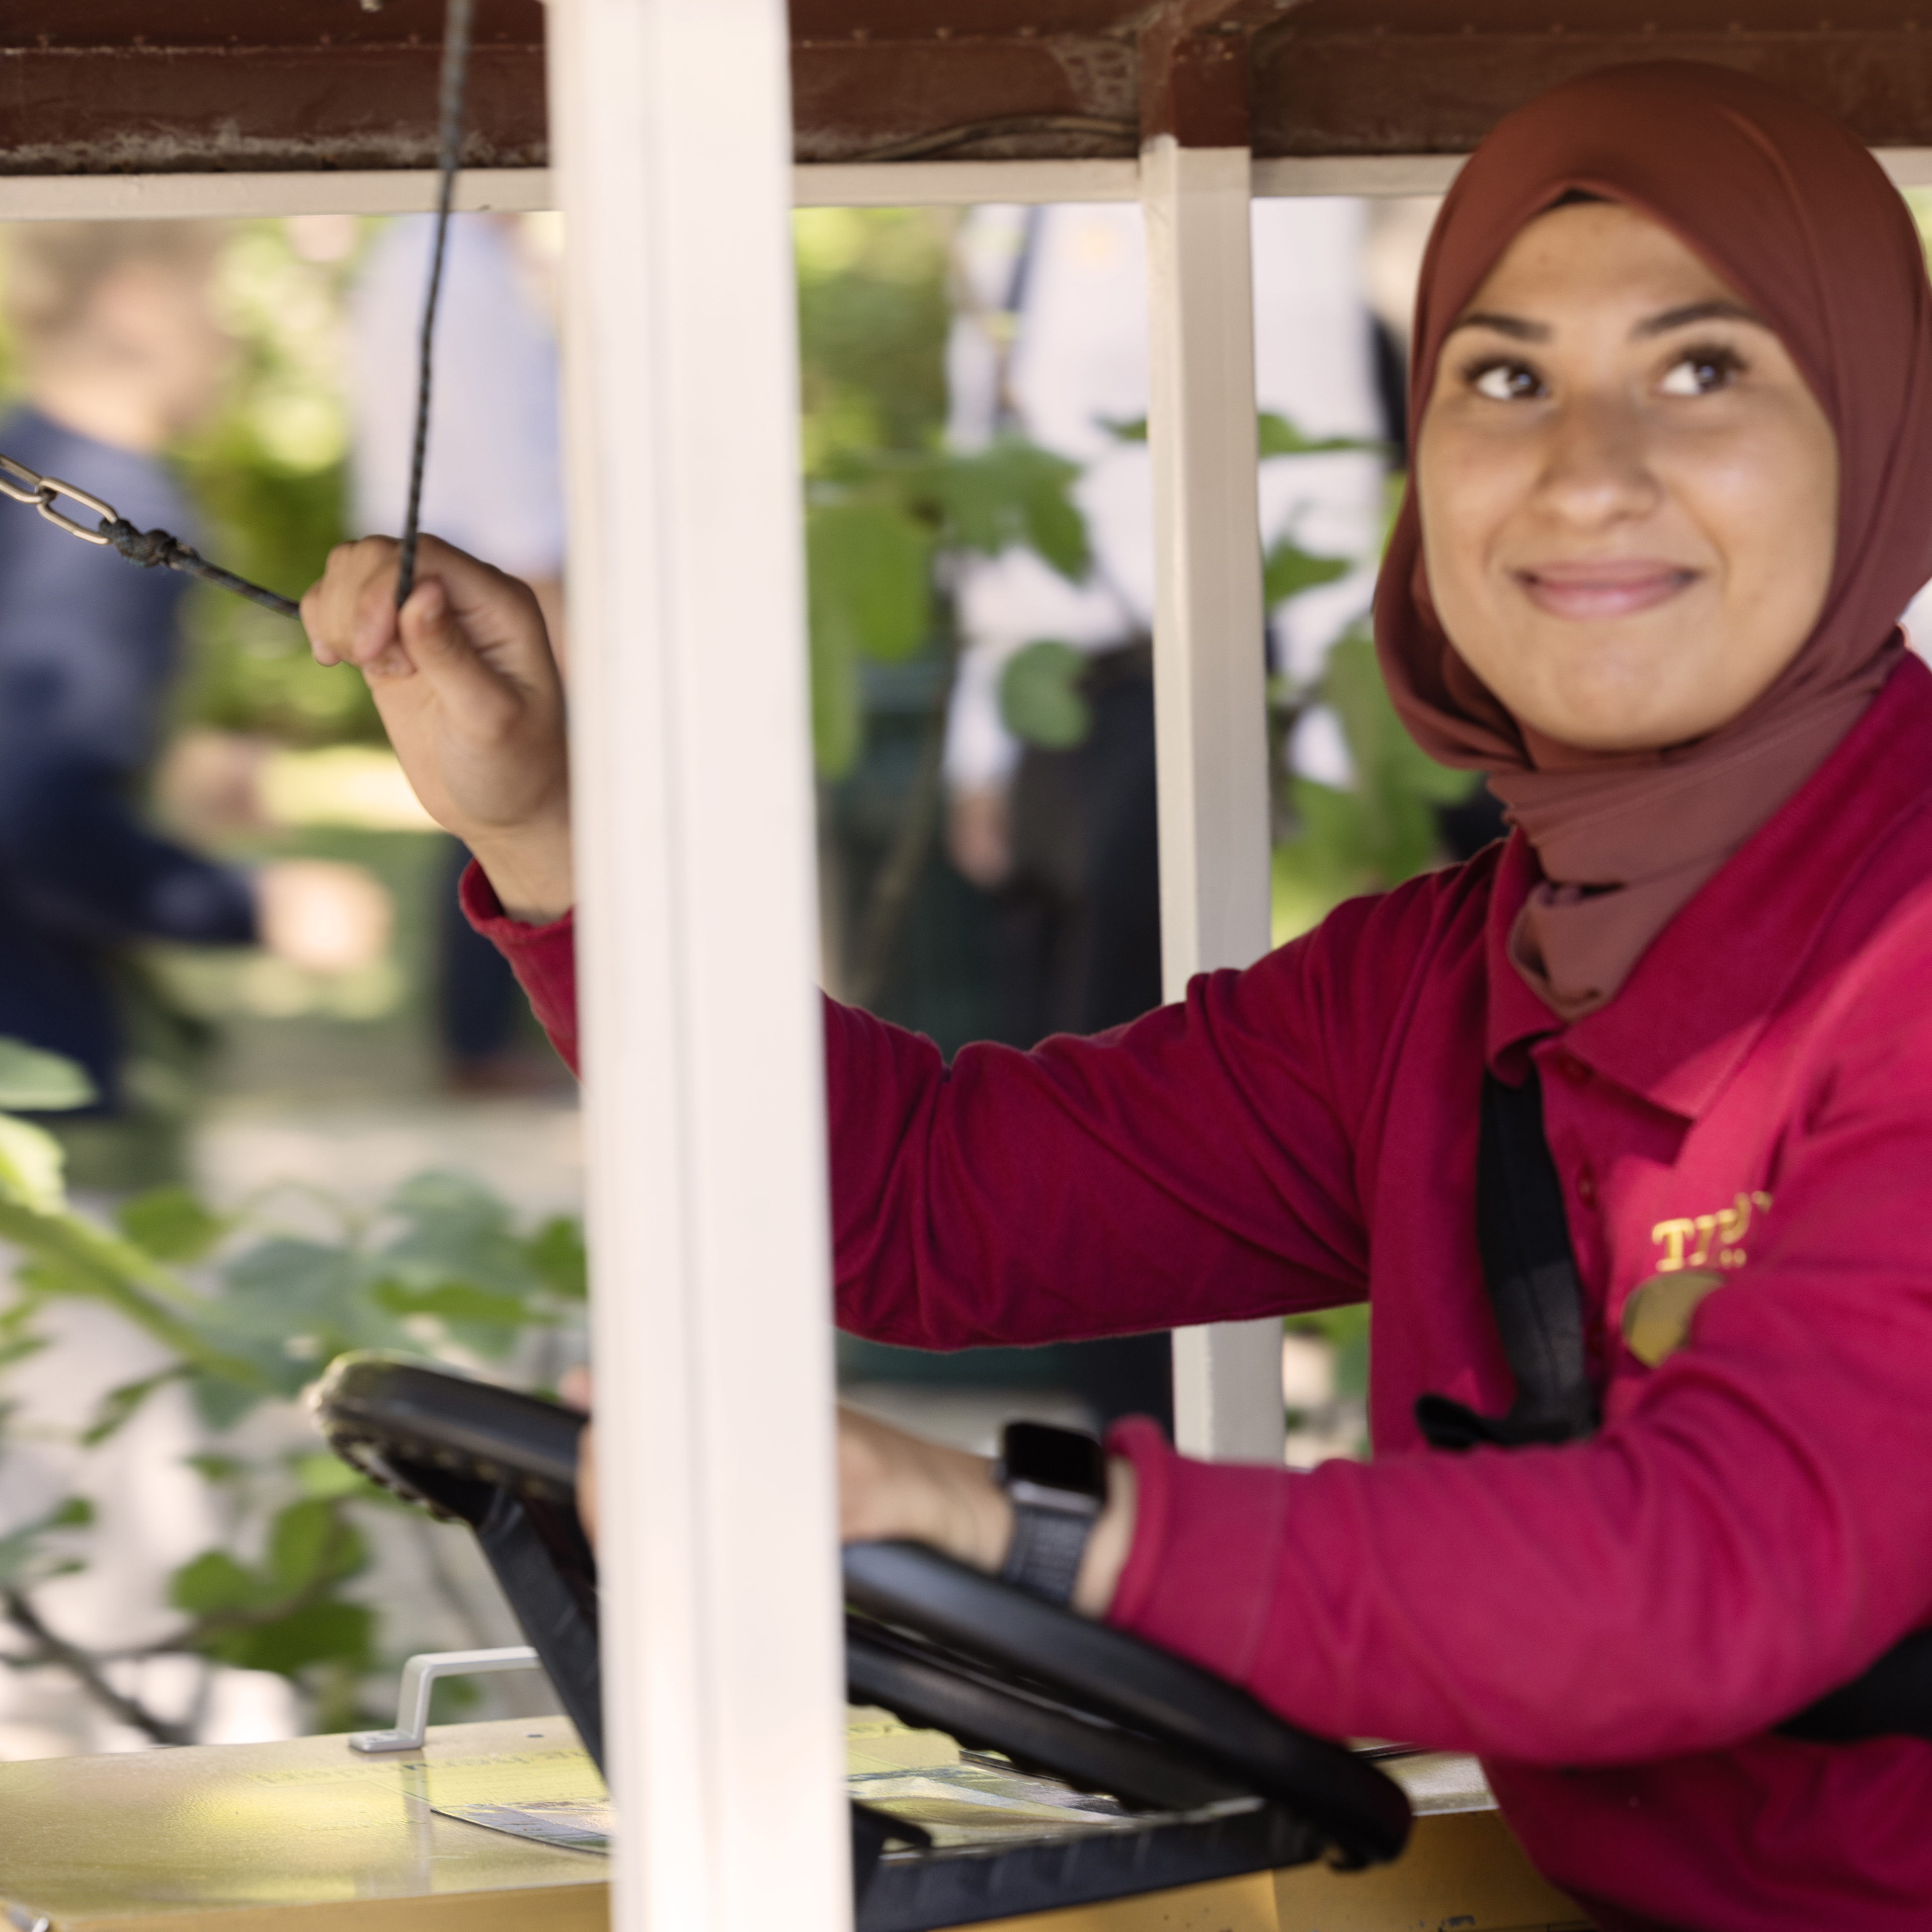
(1531, 1273)
(1538, 1299)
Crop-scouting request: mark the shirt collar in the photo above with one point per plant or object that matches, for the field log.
(1697, 1000)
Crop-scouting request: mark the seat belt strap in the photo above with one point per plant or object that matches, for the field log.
(1535, 1293)
(1537, 1297)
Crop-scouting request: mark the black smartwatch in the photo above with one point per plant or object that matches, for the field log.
(1056, 1480)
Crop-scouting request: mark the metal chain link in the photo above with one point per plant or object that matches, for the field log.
(150, 549)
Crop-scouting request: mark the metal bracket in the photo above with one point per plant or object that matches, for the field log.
(419, 1676)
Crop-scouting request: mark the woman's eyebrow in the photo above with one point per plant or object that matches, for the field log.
(1514, 326)
(1720, 309)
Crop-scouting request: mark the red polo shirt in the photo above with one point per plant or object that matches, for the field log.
(1613, 1626)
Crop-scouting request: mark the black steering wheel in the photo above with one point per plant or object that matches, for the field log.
(1226, 1785)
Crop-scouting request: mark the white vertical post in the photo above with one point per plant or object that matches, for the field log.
(704, 1087)
(1210, 676)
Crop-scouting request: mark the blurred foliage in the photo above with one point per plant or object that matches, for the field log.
(1345, 1330)
(269, 476)
(1382, 829)
(887, 504)
(247, 1315)
(879, 525)
(873, 313)
(1040, 698)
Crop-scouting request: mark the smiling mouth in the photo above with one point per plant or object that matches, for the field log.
(1622, 589)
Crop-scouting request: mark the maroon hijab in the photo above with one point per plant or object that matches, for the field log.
(1788, 208)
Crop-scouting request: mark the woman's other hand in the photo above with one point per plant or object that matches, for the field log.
(892, 1484)
(469, 692)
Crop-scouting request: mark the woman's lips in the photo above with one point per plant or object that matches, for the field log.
(1607, 589)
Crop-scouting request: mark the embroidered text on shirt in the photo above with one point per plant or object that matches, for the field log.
(1697, 1241)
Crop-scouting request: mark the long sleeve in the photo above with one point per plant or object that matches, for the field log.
(544, 958)
(1187, 1168)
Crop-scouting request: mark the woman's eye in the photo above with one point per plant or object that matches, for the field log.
(1506, 381)
(1700, 372)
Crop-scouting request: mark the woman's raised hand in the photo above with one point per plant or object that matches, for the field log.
(469, 692)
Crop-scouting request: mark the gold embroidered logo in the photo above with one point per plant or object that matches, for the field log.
(1657, 1317)
(1703, 1240)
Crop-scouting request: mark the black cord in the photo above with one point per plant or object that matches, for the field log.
(456, 32)
(149, 548)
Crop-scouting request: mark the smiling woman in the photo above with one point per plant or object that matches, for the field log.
(1676, 443)
(1629, 495)
(1674, 382)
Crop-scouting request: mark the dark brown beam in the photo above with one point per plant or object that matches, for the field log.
(1321, 93)
(101, 86)
(985, 98)
(123, 86)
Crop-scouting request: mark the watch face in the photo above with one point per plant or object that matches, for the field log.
(1053, 1459)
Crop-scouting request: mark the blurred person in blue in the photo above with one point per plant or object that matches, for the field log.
(493, 485)
(119, 352)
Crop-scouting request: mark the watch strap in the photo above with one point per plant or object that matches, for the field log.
(1044, 1557)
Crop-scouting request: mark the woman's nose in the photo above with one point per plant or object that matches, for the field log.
(1596, 469)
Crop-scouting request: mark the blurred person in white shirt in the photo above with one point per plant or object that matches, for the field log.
(493, 484)
(1050, 342)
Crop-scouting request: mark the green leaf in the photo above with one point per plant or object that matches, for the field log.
(213, 1582)
(18, 1338)
(220, 1469)
(330, 1478)
(1380, 832)
(31, 1162)
(1288, 570)
(1346, 1329)
(221, 1403)
(1277, 437)
(487, 1322)
(450, 1697)
(284, 1286)
(838, 718)
(22, 1559)
(34, 1082)
(453, 1229)
(310, 1544)
(292, 1304)
(329, 1632)
(1274, 435)
(869, 568)
(1012, 492)
(119, 1406)
(556, 1256)
(870, 571)
(453, 1301)
(171, 1223)
(1040, 698)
